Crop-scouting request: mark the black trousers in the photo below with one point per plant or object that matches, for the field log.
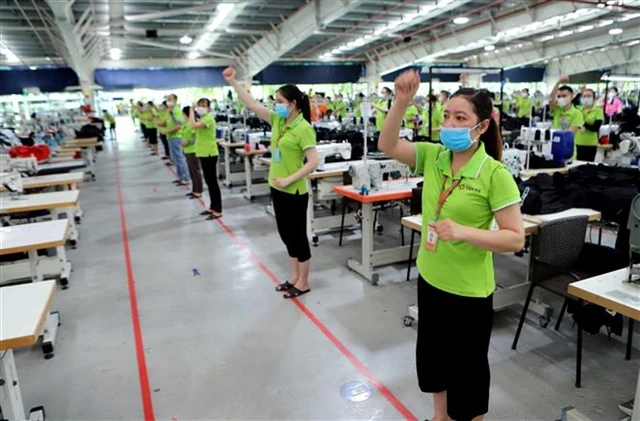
(165, 143)
(452, 347)
(210, 171)
(291, 219)
(143, 130)
(152, 135)
(586, 153)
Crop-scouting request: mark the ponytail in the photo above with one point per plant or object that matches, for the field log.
(492, 139)
(305, 107)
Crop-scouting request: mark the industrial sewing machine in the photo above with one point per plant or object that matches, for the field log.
(551, 144)
(12, 181)
(341, 150)
(27, 166)
(633, 225)
(368, 176)
(629, 150)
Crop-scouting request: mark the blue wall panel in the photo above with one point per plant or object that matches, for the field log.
(277, 74)
(520, 74)
(113, 79)
(13, 81)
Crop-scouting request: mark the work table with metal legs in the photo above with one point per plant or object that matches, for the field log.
(252, 190)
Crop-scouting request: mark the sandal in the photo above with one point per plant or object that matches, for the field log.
(285, 286)
(294, 293)
(212, 217)
(205, 212)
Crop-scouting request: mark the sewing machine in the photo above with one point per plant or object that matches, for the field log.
(22, 165)
(633, 225)
(12, 181)
(343, 150)
(629, 149)
(556, 145)
(368, 176)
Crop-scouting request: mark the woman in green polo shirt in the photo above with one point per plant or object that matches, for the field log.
(382, 107)
(188, 136)
(587, 137)
(206, 149)
(466, 188)
(293, 142)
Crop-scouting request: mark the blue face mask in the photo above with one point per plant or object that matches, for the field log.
(457, 139)
(281, 110)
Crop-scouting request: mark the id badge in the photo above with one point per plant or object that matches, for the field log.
(276, 155)
(431, 242)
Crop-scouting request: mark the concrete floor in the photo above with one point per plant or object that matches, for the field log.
(224, 345)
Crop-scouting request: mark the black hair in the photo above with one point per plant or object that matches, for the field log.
(387, 90)
(140, 103)
(104, 111)
(150, 103)
(592, 92)
(447, 94)
(492, 95)
(482, 108)
(361, 95)
(566, 88)
(614, 88)
(186, 110)
(291, 93)
(164, 103)
(433, 98)
(207, 101)
(526, 90)
(173, 95)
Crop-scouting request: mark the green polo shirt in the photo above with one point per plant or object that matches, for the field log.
(340, 108)
(524, 107)
(206, 143)
(409, 115)
(437, 117)
(145, 116)
(587, 137)
(356, 108)
(188, 139)
(486, 186)
(162, 115)
(171, 122)
(563, 120)
(292, 140)
(381, 116)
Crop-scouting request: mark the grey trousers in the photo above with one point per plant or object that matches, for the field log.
(194, 172)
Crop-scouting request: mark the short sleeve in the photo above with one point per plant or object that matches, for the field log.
(555, 110)
(308, 138)
(577, 119)
(208, 120)
(503, 189)
(273, 118)
(426, 153)
(599, 114)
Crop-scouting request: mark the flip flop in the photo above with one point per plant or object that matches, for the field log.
(205, 212)
(285, 286)
(294, 293)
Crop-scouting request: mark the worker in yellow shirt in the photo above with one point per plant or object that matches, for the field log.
(435, 121)
(112, 123)
(523, 107)
(382, 107)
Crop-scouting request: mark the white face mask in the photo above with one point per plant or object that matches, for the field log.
(563, 102)
(587, 101)
(611, 95)
(170, 104)
(202, 111)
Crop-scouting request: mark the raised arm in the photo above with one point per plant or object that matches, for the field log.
(192, 118)
(554, 91)
(261, 111)
(406, 85)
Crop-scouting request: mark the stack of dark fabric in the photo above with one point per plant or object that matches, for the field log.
(608, 190)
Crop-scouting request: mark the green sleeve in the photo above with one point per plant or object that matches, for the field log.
(208, 121)
(308, 138)
(577, 119)
(503, 190)
(425, 153)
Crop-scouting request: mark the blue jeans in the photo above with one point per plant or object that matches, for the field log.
(175, 146)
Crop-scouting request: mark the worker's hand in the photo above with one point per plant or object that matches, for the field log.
(563, 79)
(448, 230)
(406, 86)
(282, 183)
(229, 74)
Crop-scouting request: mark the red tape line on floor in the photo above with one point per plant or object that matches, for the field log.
(321, 326)
(145, 389)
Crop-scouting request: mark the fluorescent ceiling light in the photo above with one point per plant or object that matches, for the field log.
(33, 68)
(343, 48)
(564, 34)
(193, 55)
(584, 28)
(611, 2)
(380, 30)
(426, 9)
(186, 40)
(394, 24)
(336, 51)
(616, 31)
(632, 43)
(605, 23)
(621, 78)
(489, 47)
(461, 20)
(409, 17)
(368, 36)
(547, 38)
(115, 51)
(601, 5)
(48, 58)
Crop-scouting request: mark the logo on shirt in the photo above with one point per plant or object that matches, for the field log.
(470, 188)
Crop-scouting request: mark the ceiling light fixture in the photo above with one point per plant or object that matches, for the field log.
(336, 51)
(461, 20)
(615, 31)
(186, 40)
(193, 55)
(409, 17)
(489, 47)
(33, 68)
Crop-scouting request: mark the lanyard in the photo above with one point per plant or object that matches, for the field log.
(444, 195)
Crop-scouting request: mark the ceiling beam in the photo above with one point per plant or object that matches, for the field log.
(167, 46)
(165, 63)
(66, 22)
(595, 60)
(294, 30)
(144, 17)
(562, 48)
(466, 39)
